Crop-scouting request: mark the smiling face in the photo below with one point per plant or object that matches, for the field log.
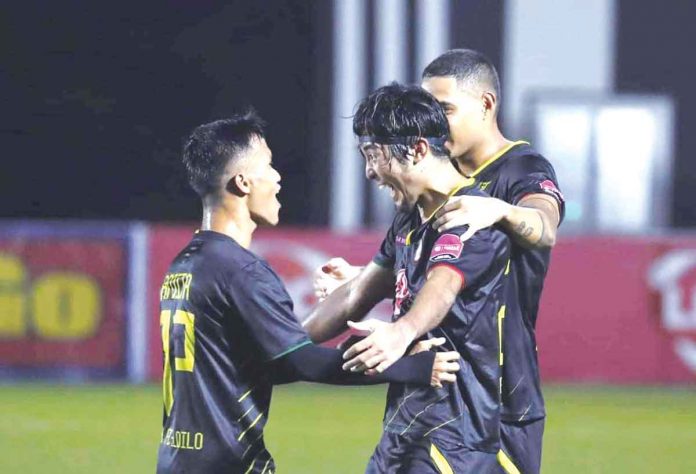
(465, 109)
(391, 174)
(264, 183)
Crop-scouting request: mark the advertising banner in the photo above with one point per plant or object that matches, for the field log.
(62, 301)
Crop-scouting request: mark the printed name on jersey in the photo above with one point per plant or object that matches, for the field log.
(549, 187)
(447, 247)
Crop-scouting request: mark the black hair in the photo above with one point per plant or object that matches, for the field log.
(211, 146)
(403, 114)
(467, 66)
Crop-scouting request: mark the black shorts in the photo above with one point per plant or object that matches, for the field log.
(396, 454)
(520, 446)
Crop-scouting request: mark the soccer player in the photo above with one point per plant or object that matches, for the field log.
(228, 328)
(433, 277)
(526, 202)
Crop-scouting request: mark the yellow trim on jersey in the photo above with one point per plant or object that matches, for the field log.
(265, 466)
(253, 423)
(507, 463)
(501, 317)
(496, 156)
(507, 267)
(253, 461)
(440, 462)
(246, 394)
(467, 182)
(408, 237)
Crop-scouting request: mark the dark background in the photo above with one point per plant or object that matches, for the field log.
(97, 96)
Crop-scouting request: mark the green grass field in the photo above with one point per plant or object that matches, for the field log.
(313, 429)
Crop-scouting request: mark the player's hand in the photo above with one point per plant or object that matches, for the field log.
(477, 212)
(446, 364)
(383, 345)
(426, 345)
(445, 368)
(331, 275)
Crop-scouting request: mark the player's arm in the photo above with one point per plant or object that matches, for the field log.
(532, 222)
(350, 302)
(389, 341)
(314, 363)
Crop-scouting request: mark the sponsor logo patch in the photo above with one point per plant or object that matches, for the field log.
(550, 188)
(447, 247)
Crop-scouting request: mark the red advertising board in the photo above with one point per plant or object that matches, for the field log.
(62, 303)
(620, 310)
(614, 309)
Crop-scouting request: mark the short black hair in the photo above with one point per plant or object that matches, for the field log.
(467, 66)
(399, 111)
(211, 146)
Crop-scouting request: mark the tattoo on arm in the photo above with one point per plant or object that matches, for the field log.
(524, 230)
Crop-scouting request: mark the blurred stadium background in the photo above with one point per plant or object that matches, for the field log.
(98, 95)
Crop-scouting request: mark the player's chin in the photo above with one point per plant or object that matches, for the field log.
(269, 219)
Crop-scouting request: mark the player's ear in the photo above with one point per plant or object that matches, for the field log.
(490, 102)
(238, 185)
(420, 149)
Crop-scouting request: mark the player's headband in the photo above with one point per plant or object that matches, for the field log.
(434, 141)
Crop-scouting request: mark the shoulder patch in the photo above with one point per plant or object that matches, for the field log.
(447, 247)
(549, 187)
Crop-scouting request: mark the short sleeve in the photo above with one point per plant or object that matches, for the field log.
(386, 255)
(471, 259)
(533, 174)
(267, 310)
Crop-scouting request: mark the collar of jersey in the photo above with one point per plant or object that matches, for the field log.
(493, 158)
(467, 182)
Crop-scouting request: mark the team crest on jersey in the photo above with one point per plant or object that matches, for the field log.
(549, 187)
(447, 247)
(483, 185)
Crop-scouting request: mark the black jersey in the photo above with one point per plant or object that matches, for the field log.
(224, 315)
(518, 171)
(467, 412)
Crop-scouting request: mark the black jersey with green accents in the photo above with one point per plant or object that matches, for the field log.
(512, 174)
(466, 413)
(224, 315)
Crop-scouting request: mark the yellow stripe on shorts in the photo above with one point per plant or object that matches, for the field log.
(507, 463)
(439, 460)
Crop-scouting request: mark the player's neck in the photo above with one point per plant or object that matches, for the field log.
(229, 219)
(482, 152)
(440, 188)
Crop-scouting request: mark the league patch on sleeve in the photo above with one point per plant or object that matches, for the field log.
(549, 187)
(447, 247)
